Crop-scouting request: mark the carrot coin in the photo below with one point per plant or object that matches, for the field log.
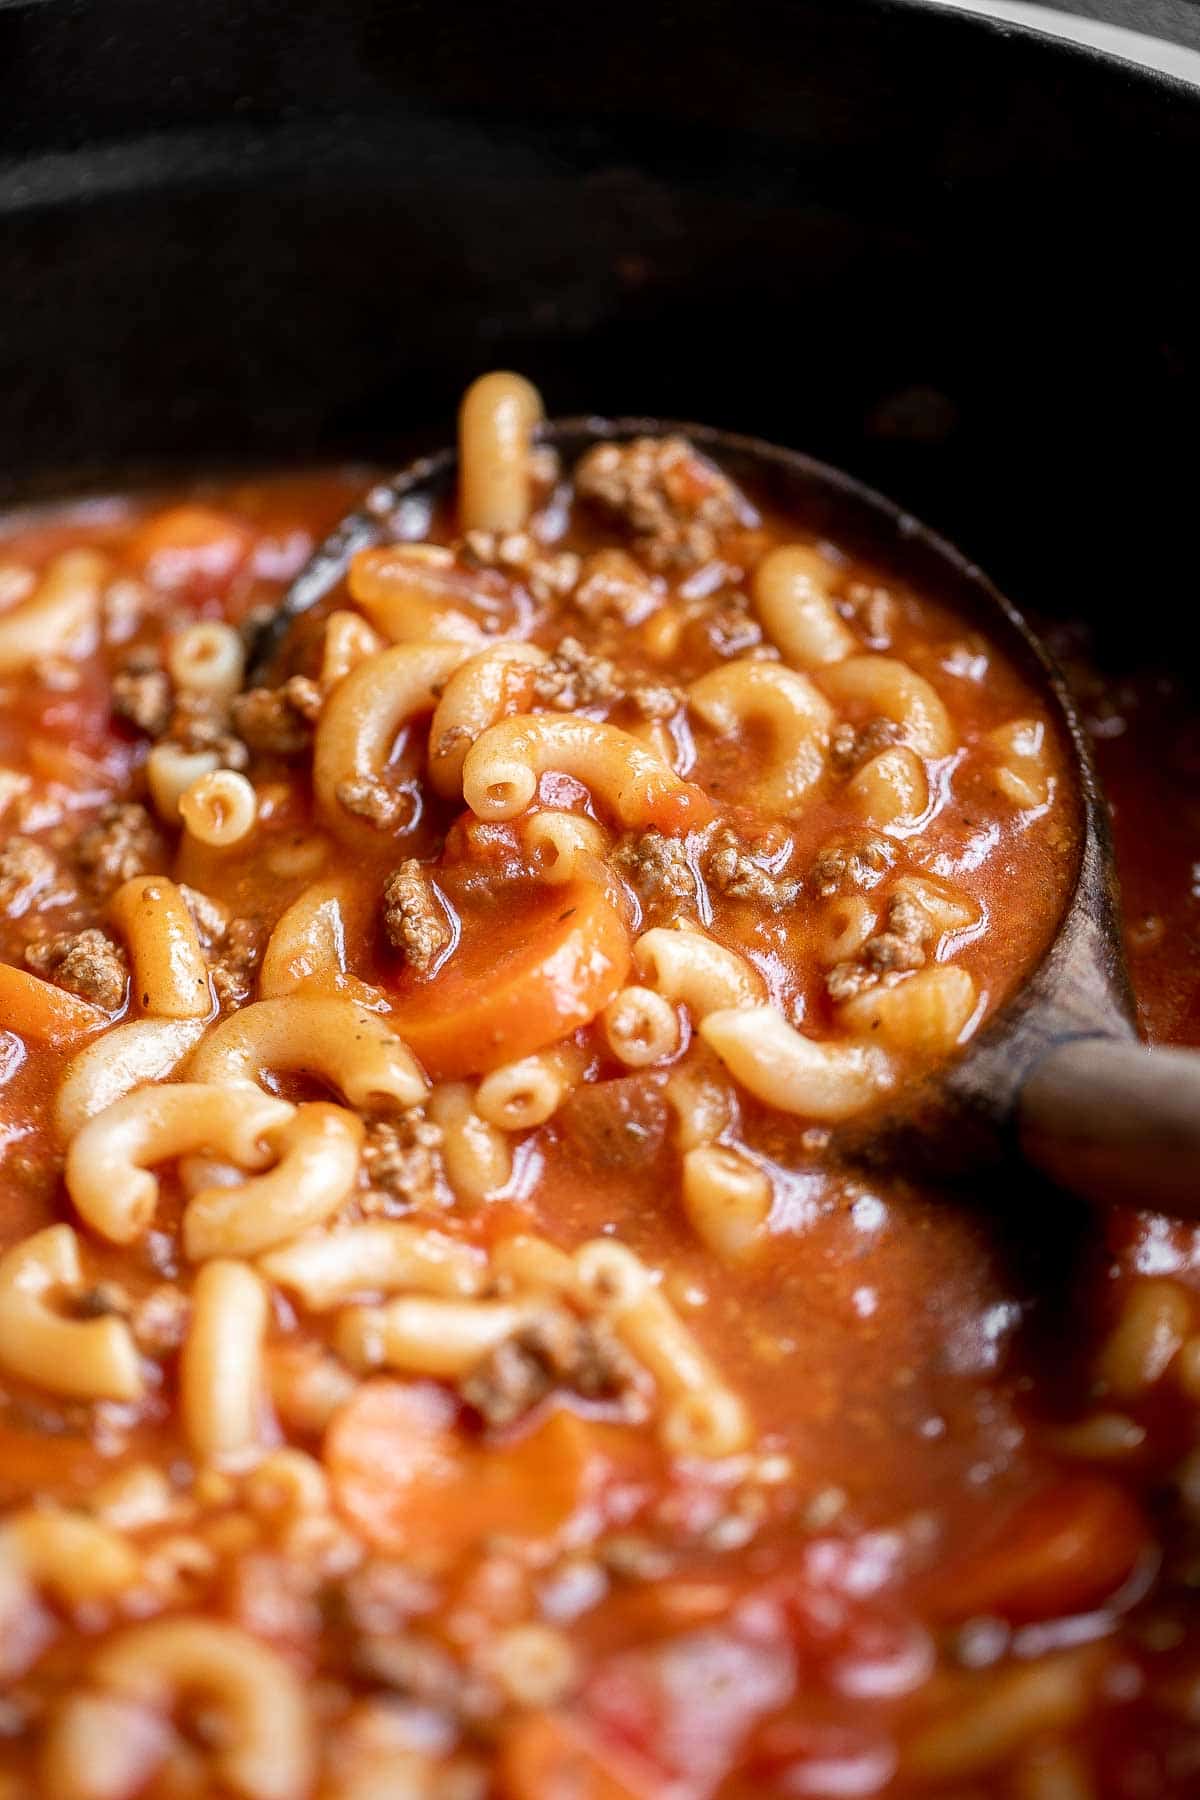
(520, 979)
(412, 1483)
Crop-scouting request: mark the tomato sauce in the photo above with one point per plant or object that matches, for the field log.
(954, 1558)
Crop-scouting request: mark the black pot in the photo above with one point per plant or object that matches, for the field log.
(959, 259)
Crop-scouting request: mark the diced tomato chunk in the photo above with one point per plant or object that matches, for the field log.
(1065, 1550)
(190, 548)
(550, 1756)
(412, 1482)
(822, 1758)
(688, 1703)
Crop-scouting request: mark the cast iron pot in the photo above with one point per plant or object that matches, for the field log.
(954, 257)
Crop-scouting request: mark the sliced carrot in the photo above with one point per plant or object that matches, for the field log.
(36, 1009)
(1065, 1550)
(550, 1756)
(189, 545)
(412, 1483)
(521, 978)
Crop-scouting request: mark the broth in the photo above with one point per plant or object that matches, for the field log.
(874, 1498)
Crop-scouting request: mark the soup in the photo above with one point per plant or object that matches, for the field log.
(444, 1350)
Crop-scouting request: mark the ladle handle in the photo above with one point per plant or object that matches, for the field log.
(1116, 1122)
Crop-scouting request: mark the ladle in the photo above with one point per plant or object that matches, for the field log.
(1058, 1074)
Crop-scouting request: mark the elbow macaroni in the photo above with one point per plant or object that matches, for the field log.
(414, 594)
(495, 431)
(727, 1197)
(207, 658)
(476, 1154)
(110, 1158)
(642, 1027)
(420, 1335)
(565, 847)
(60, 618)
(885, 685)
(112, 1066)
(354, 1050)
(782, 702)
(87, 1359)
(364, 715)
(381, 1256)
(692, 969)
(701, 1417)
(318, 1149)
(348, 641)
(219, 809)
(262, 1737)
(520, 1095)
(926, 1013)
(1021, 770)
(170, 975)
(793, 1073)
(222, 1381)
(891, 791)
(791, 596)
(309, 949)
(501, 772)
(487, 687)
(171, 771)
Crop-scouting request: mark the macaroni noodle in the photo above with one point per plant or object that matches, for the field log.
(501, 772)
(110, 1158)
(354, 1050)
(782, 702)
(780, 1066)
(495, 427)
(170, 975)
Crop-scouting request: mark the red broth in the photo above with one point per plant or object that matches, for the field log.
(875, 1495)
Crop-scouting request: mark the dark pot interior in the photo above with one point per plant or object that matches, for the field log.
(957, 259)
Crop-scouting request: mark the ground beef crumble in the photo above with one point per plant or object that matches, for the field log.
(729, 627)
(656, 867)
(654, 700)
(278, 721)
(413, 1665)
(870, 609)
(555, 1349)
(234, 947)
(901, 946)
(241, 948)
(402, 1164)
(547, 575)
(613, 586)
(850, 865)
(412, 916)
(851, 746)
(159, 1319)
(674, 501)
(27, 875)
(121, 843)
(380, 805)
(141, 693)
(209, 917)
(730, 869)
(571, 677)
(202, 722)
(86, 963)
